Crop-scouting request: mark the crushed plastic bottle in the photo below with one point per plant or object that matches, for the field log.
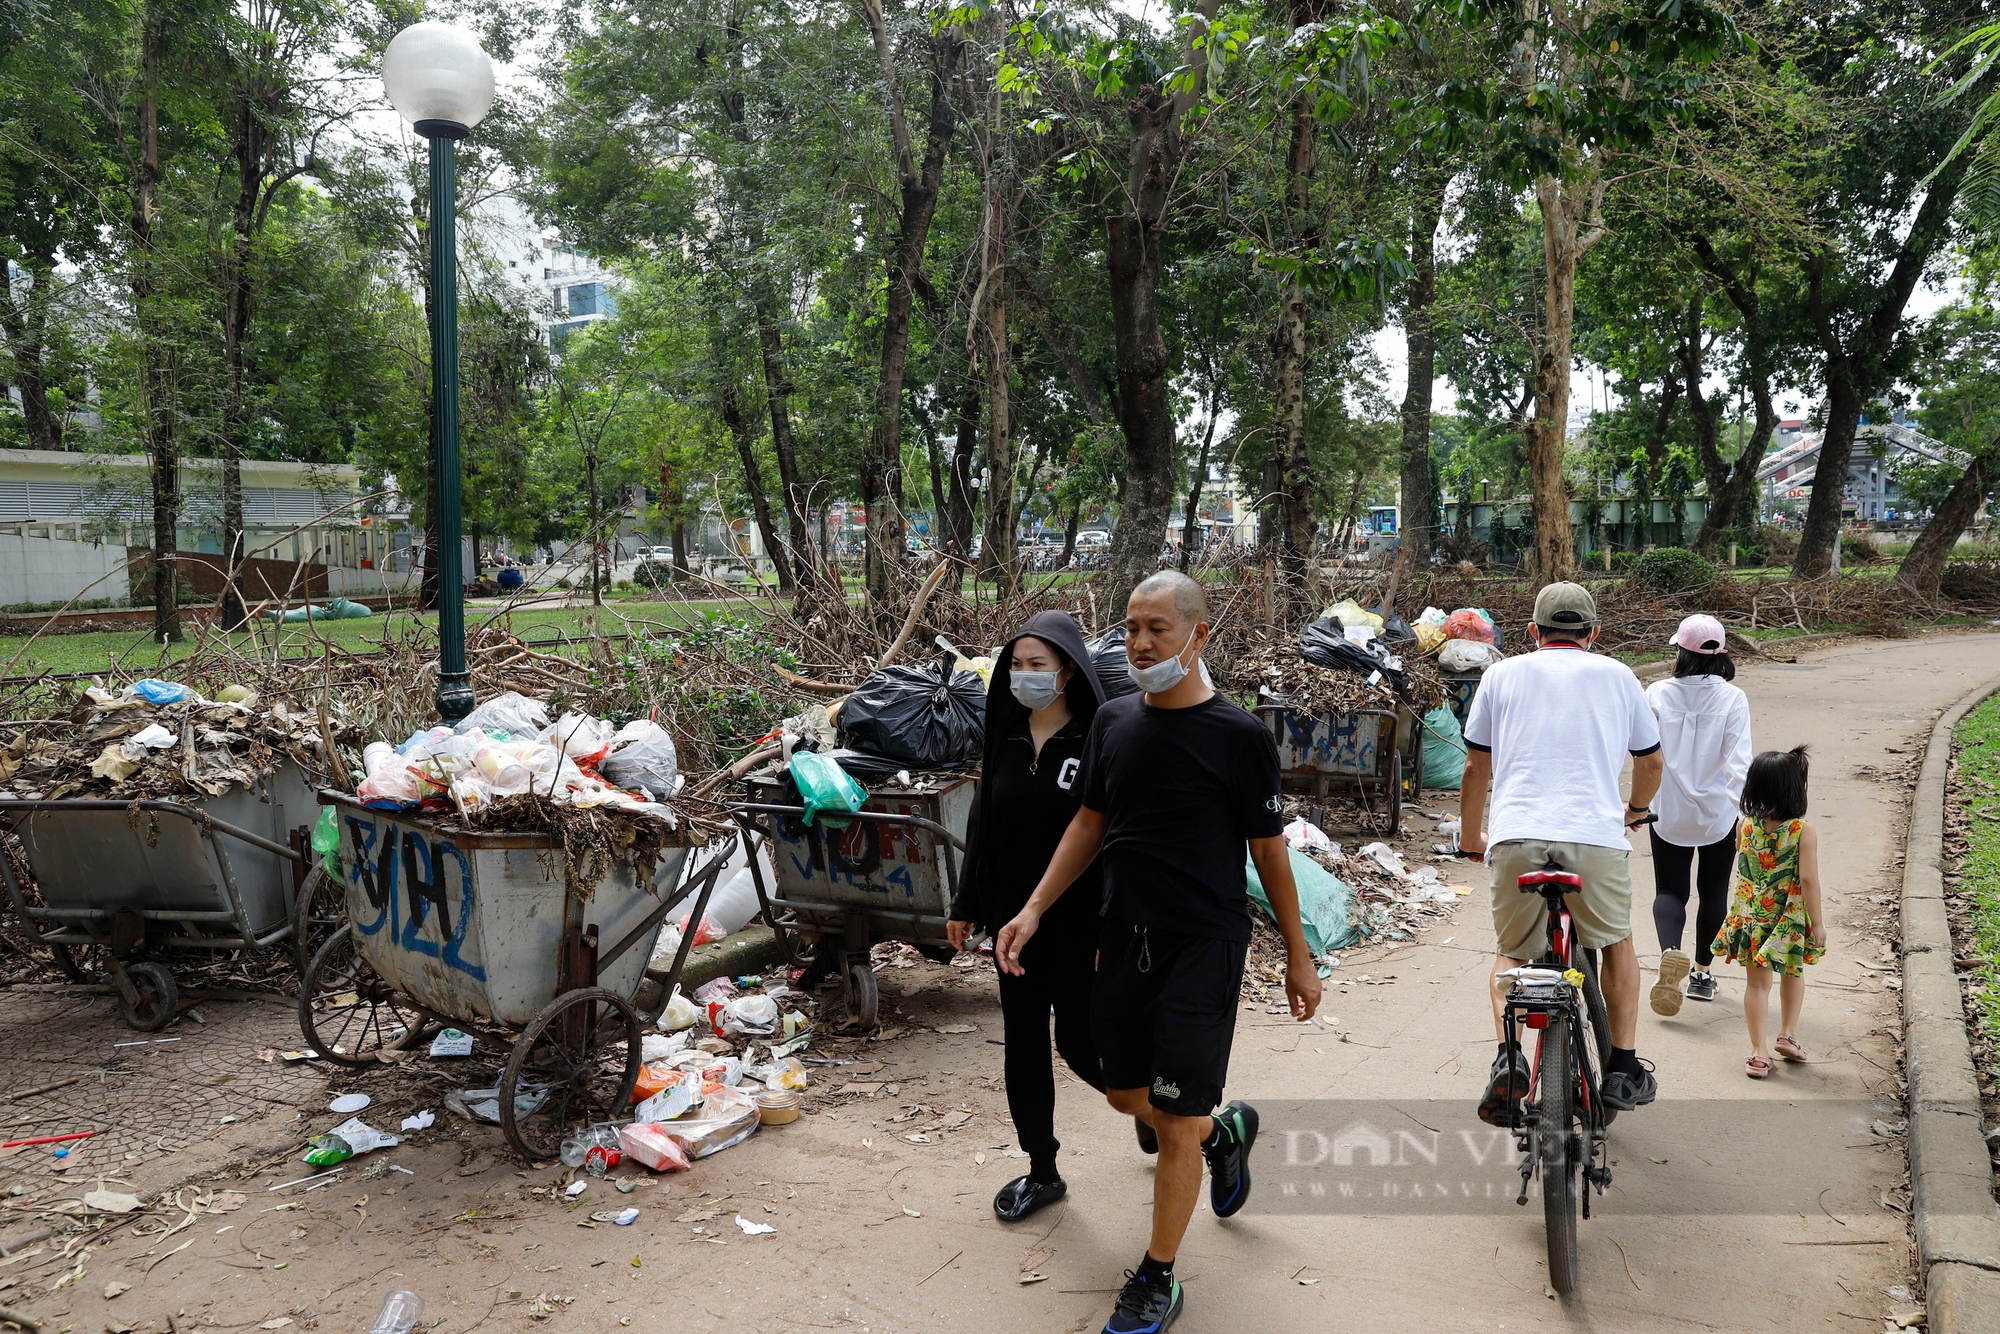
(401, 1311)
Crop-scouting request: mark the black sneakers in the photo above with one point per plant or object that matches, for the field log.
(1143, 1307)
(1701, 985)
(1024, 1195)
(1507, 1085)
(1624, 1090)
(1228, 1154)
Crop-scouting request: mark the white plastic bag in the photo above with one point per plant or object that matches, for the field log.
(749, 1016)
(1466, 655)
(578, 735)
(512, 713)
(680, 1015)
(397, 783)
(642, 756)
(726, 1117)
(1306, 836)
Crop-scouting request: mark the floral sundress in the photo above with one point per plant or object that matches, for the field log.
(1768, 924)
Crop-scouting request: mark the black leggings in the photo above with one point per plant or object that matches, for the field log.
(1057, 980)
(1671, 864)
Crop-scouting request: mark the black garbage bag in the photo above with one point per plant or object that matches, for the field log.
(1397, 631)
(1107, 659)
(926, 717)
(1325, 644)
(867, 770)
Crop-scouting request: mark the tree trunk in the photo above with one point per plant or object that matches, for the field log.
(778, 392)
(595, 543)
(881, 462)
(1844, 401)
(964, 496)
(157, 376)
(25, 322)
(1420, 507)
(1191, 515)
(1564, 243)
(1298, 525)
(753, 482)
(1729, 485)
(252, 160)
(997, 558)
(1729, 491)
(1922, 570)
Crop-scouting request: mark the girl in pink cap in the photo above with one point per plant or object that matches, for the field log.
(1705, 743)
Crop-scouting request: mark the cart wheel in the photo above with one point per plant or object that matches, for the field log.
(799, 952)
(1396, 795)
(159, 998)
(864, 999)
(347, 1013)
(583, 1053)
(317, 912)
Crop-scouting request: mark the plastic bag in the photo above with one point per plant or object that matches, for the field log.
(662, 1046)
(364, 1138)
(713, 990)
(1351, 613)
(1324, 643)
(512, 713)
(1469, 623)
(1325, 903)
(825, 786)
(1444, 750)
(1107, 659)
(727, 1117)
(1466, 655)
(653, 1147)
(748, 1016)
(326, 842)
(788, 1074)
(923, 717)
(642, 756)
(155, 691)
(579, 736)
(1429, 637)
(681, 1014)
(394, 787)
(1306, 836)
(326, 1150)
(1431, 616)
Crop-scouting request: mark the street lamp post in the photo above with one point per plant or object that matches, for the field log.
(441, 81)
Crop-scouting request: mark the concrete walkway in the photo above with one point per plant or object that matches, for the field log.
(1734, 1204)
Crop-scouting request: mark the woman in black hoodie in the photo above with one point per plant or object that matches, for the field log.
(1039, 708)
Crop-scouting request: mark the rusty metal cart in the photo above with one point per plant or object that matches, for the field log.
(1376, 754)
(847, 882)
(121, 882)
(479, 931)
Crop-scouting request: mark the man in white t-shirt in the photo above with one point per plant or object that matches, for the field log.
(1550, 731)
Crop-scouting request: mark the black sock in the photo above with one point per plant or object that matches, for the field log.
(1155, 1271)
(1043, 1170)
(1625, 1060)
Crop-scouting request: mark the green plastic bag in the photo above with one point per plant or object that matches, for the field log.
(326, 842)
(825, 786)
(1324, 900)
(1444, 750)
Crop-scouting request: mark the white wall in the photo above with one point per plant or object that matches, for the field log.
(47, 562)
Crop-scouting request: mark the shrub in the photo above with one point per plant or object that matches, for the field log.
(1781, 545)
(1672, 570)
(653, 574)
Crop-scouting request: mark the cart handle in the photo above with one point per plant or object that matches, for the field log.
(704, 879)
(200, 817)
(880, 817)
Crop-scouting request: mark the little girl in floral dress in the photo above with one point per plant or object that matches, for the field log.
(1775, 924)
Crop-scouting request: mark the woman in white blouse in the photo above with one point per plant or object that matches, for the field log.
(1705, 742)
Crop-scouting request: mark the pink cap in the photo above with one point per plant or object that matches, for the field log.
(1701, 634)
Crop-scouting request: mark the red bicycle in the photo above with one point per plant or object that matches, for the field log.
(1560, 1127)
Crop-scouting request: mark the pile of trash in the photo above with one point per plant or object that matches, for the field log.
(508, 748)
(159, 740)
(1347, 660)
(1380, 895)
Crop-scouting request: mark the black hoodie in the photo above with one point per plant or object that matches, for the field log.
(1028, 801)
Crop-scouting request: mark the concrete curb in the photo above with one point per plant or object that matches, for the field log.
(751, 950)
(1951, 1174)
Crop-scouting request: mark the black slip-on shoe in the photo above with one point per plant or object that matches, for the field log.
(1024, 1195)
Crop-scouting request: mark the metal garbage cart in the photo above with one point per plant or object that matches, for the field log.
(848, 882)
(1373, 753)
(121, 881)
(1459, 688)
(479, 931)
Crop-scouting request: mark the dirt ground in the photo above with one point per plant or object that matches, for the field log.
(1733, 1205)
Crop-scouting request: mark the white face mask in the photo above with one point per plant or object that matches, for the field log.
(1037, 690)
(1161, 676)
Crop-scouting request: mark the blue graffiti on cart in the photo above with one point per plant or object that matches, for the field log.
(1335, 742)
(421, 871)
(883, 879)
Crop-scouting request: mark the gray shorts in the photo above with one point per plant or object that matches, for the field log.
(1602, 909)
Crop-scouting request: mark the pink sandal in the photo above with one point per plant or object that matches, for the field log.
(1758, 1067)
(1789, 1048)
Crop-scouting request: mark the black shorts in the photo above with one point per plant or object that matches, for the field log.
(1163, 1013)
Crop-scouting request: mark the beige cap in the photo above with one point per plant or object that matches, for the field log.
(1565, 607)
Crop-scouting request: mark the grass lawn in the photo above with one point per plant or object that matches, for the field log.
(1978, 795)
(133, 650)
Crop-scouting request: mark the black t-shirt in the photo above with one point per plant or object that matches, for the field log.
(1032, 800)
(1182, 790)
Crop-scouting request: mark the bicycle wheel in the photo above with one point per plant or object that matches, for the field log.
(1600, 1027)
(1555, 1144)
